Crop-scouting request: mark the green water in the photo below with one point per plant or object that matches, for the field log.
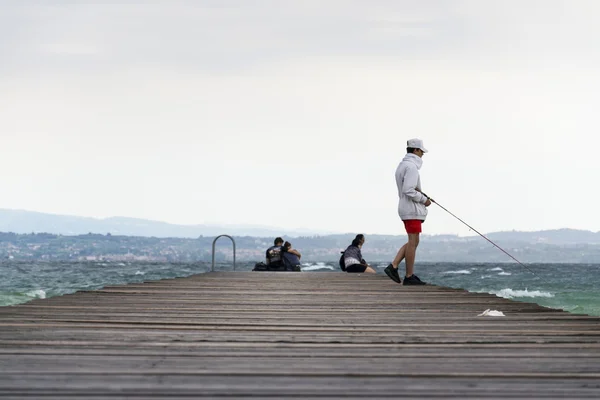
(571, 287)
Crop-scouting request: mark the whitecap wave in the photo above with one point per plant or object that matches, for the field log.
(496, 269)
(510, 293)
(317, 266)
(504, 273)
(140, 273)
(460, 271)
(36, 294)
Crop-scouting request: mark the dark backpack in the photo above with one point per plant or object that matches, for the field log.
(342, 262)
(261, 266)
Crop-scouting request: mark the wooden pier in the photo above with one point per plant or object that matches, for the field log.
(293, 335)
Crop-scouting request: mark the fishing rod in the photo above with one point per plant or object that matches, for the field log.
(480, 234)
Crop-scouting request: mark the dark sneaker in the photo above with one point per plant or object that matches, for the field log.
(392, 273)
(413, 280)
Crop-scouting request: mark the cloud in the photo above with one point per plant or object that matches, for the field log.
(233, 36)
(69, 49)
(236, 36)
(181, 111)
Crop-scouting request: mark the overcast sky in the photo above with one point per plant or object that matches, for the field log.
(296, 113)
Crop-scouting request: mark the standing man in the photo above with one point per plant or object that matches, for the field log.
(411, 209)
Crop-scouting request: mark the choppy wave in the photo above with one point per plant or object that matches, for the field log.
(511, 294)
(460, 271)
(316, 267)
(36, 294)
(21, 282)
(16, 297)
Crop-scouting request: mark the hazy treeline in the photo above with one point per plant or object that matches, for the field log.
(543, 247)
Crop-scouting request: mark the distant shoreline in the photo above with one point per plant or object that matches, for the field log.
(98, 247)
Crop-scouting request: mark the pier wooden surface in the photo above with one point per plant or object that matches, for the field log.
(293, 335)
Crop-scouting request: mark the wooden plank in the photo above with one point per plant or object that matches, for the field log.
(308, 365)
(284, 386)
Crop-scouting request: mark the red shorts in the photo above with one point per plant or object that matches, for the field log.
(413, 225)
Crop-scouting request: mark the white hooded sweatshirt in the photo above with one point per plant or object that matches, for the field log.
(411, 203)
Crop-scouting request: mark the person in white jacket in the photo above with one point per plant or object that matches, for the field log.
(412, 209)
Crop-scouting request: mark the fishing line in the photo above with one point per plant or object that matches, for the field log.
(482, 235)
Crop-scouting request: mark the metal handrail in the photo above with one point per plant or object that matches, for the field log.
(212, 268)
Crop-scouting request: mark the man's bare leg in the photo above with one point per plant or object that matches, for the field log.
(399, 256)
(410, 253)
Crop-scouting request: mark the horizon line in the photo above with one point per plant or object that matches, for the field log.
(306, 231)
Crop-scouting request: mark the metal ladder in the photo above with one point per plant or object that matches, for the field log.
(212, 268)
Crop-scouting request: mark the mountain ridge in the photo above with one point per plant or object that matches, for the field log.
(23, 222)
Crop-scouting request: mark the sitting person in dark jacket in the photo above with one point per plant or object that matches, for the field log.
(273, 254)
(291, 257)
(353, 258)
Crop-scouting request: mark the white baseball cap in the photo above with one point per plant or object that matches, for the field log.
(416, 144)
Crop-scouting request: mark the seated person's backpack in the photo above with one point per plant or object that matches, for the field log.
(261, 266)
(342, 262)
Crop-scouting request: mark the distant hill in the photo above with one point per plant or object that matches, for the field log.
(556, 236)
(20, 221)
